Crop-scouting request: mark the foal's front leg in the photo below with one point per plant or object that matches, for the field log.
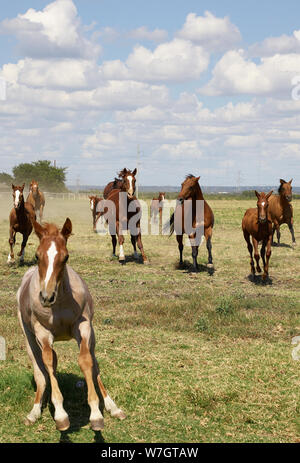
(12, 240)
(84, 336)
(49, 358)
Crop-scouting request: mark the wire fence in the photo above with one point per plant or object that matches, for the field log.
(50, 195)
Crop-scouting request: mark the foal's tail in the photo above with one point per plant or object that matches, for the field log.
(169, 226)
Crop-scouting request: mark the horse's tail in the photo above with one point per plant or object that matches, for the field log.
(170, 225)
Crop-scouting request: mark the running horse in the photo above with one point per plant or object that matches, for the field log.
(281, 210)
(122, 213)
(186, 208)
(54, 304)
(257, 224)
(94, 200)
(20, 221)
(114, 185)
(157, 205)
(36, 198)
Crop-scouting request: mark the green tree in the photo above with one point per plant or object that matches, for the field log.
(50, 178)
(6, 179)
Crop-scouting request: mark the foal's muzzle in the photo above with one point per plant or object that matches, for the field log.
(47, 301)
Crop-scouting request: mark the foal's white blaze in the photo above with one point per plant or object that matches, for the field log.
(51, 253)
(17, 197)
(92, 205)
(263, 203)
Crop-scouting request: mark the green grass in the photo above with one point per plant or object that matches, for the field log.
(190, 357)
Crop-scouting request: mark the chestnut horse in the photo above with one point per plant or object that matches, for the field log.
(114, 185)
(94, 200)
(54, 304)
(122, 213)
(36, 198)
(257, 224)
(20, 221)
(157, 205)
(281, 210)
(191, 191)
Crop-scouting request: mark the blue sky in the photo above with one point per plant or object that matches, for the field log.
(201, 87)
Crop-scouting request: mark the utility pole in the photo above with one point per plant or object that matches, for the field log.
(239, 181)
(138, 171)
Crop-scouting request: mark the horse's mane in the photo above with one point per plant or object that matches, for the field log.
(189, 176)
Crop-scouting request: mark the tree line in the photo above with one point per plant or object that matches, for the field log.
(49, 177)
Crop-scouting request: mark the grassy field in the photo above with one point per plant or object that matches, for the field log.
(190, 357)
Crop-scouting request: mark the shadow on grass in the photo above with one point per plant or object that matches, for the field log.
(189, 268)
(257, 280)
(282, 245)
(74, 391)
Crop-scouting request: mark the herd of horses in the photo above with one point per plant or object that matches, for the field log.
(54, 302)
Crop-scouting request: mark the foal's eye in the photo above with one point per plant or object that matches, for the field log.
(37, 257)
(66, 259)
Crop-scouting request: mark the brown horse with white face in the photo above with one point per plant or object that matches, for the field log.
(125, 209)
(281, 209)
(257, 224)
(54, 304)
(187, 219)
(94, 200)
(36, 198)
(20, 221)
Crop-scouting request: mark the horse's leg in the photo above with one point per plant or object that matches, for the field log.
(49, 357)
(109, 404)
(208, 235)
(83, 335)
(12, 241)
(277, 228)
(39, 371)
(250, 249)
(140, 245)
(23, 245)
(256, 254)
(268, 255)
(114, 244)
(179, 239)
(291, 228)
(133, 242)
(121, 243)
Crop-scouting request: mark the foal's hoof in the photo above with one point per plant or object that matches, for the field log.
(63, 425)
(97, 425)
(146, 262)
(119, 414)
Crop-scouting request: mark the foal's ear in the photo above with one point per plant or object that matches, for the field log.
(13, 186)
(134, 171)
(290, 181)
(282, 181)
(257, 194)
(66, 230)
(269, 194)
(197, 178)
(39, 230)
(22, 187)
